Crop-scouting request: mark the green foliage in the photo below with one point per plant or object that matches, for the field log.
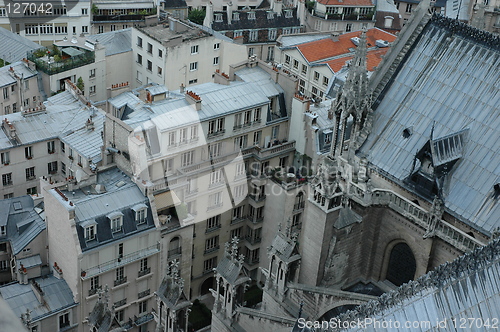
(200, 316)
(310, 6)
(40, 52)
(79, 84)
(252, 296)
(4, 63)
(55, 51)
(94, 9)
(197, 16)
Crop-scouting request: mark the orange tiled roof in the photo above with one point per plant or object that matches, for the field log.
(373, 59)
(346, 2)
(327, 48)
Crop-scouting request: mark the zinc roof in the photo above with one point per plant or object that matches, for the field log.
(20, 69)
(346, 2)
(448, 83)
(14, 47)
(115, 42)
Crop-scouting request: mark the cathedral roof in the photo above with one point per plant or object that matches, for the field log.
(447, 85)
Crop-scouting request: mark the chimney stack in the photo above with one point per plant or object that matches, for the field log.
(193, 99)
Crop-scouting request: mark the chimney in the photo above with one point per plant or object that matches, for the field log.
(335, 36)
(57, 271)
(37, 289)
(181, 88)
(9, 128)
(193, 99)
(89, 124)
(221, 77)
(23, 275)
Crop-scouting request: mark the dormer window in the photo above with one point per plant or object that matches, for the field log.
(3, 230)
(116, 221)
(236, 16)
(218, 17)
(141, 213)
(288, 13)
(89, 229)
(270, 15)
(251, 15)
(238, 33)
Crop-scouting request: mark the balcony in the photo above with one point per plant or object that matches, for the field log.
(117, 262)
(143, 294)
(213, 229)
(211, 250)
(345, 16)
(52, 65)
(298, 206)
(253, 240)
(142, 273)
(216, 133)
(174, 252)
(120, 281)
(117, 18)
(93, 291)
(120, 303)
(143, 319)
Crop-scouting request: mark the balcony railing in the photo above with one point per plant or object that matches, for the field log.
(120, 303)
(143, 319)
(212, 229)
(142, 273)
(143, 294)
(93, 291)
(208, 251)
(118, 18)
(53, 67)
(117, 262)
(120, 281)
(253, 240)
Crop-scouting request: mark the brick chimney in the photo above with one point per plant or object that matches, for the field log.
(193, 99)
(221, 77)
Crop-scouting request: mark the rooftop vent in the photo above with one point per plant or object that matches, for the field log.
(355, 40)
(407, 132)
(496, 190)
(382, 43)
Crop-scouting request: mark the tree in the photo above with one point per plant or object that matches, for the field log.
(197, 16)
(94, 9)
(310, 6)
(79, 84)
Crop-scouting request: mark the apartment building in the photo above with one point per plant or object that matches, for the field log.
(48, 23)
(19, 88)
(109, 15)
(59, 140)
(175, 53)
(316, 59)
(258, 29)
(110, 245)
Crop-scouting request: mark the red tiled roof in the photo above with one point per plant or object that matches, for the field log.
(346, 2)
(373, 59)
(327, 48)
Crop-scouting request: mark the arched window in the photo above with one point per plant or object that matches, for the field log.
(174, 247)
(402, 264)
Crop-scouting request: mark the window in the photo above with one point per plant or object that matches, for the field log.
(9, 195)
(5, 156)
(64, 320)
(248, 118)
(193, 81)
(216, 46)
(63, 147)
(215, 150)
(286, 31)
(240, 142)
(63, 168)
(139, 42)
(256, 137)
(251, 15)
(90, 232)
(213, 223)
(304, 69)
(253, 35)
(215, 200)
(100, 28)
(94, 283)
(193, 66)
(296, 219)
(120, 273)
(85, 29)
(270, 53)
(212, 244)
(30, 173)
(216, 177)
(240, 169)
(236, 16)
(150, 66)
(238, 34)
(408, 8)
(272, 34)
(325, 81)
(240, 190)
(171, 138)
(194, 132)
(236, 232)
(7, 109)
(28, 152)
(150, 48)
(187, 158)
(256, 115)
(216, 126)
(251, 51)
(143, 266)
(3, 232)
(169, 165)
(210, 264)
(92, 90)
(295, 64)
(120, 315)
(159, 70)
(26, 85)
(14, 107)
(113, 27)
(116, 224)
(194, 49)
(216, 61)
(31, 191)
(3, 12)
(316, 76)
(140, 216)
(4, 265)
(5, 93)
(348, 27)
(139, 59)
(52, 167)
(183, 135)
(143, 307)
(275, 132)
(120, 250)
(92, 73)
(7, 179)
(84, 11)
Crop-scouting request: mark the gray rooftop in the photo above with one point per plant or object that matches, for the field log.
(15, 47)
(162, 32)
(458, 90)
(301, 38)
(115, 42)
(65, 118)
(23, 223)
(57, 296)
(20, 69)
